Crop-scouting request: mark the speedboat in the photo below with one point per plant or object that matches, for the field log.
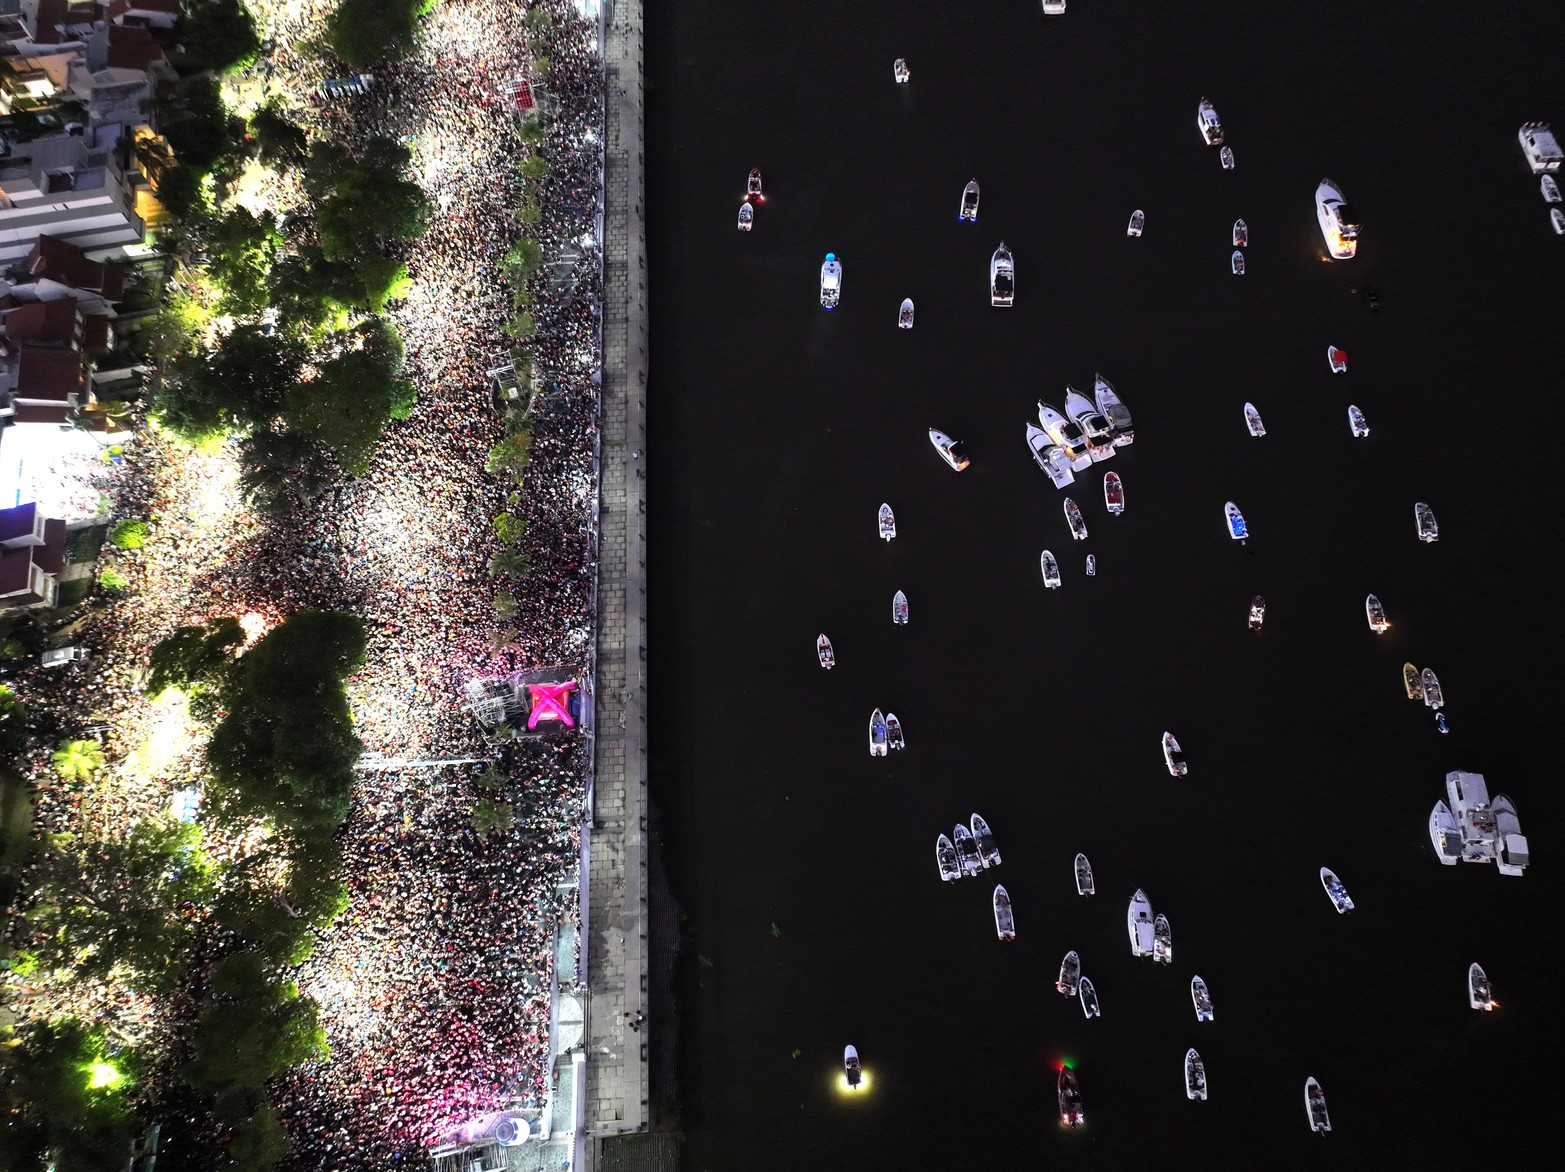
(983, 837)
(1338, 360)
(1113, 493)
(1513, 856)
(894, 738)
(905, 314)
(967, 852)
(1315, 1106)
(1162, 940)
(1335, 889)
(1539, 145)
(1094, 427)
(1241, 234)
(1234, 519)
(851, 1067)
(1195, 1076)
(753, 189)
(1065, 433)
(888, 523)
(1113, 410)
(899, 609)
(1376, 614)
(1479, 994)
(1051, 570)
(1424, 518)
(1257, 612)
(823, 649)
(900, 71)
(1338, 224)
(1252, 420)
(746, 216)
(1226, 156)
(1137, 220)
(1004, 922)
(1002, 277)
(1138, 923)
(946, 860)
(1444, 835)
(1092, 565)
(1357, 424)
(831, 281)
(1207, 123)
(1550, 189)
(951, 451)
(1201, 999)
(1089, 998)
(968, 208)
(1173, 757)
(1557, 221)
(1433, 696)
(1236, 262)
(1054, 7)
(1073, 517)
(1084, 884)
(1413, 682)
(1071, 1114)
(1050, 456)
(877, 734)
(1070, 974)
(1442, 723)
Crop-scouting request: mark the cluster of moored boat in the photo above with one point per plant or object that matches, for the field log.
(1544, 157)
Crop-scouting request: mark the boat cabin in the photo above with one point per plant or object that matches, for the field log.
(1541, 147)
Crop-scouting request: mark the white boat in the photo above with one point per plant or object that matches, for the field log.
(1173, 756)
(1195, 1076)
(1089, 998)
(1257, 613)
(1234, 520)
(1550, 189)
(1424, 518)
(1051, 570)
(951, 451)
(1557, 221)
(900, 71)
(1162, 940)
(1004, 921)
(967, 853)
(1444, 835)
(905, 314)
(1092, 565)
(1376, 614)
(1337, 360)
(1073, 518)
(746, 216)
(1138, 220)
(1413, 682)
(983, 837)
(1094, 427)
(753, 186)
(852, 1068)
(1207, 123)
(1539, 145)
(877, 734)
(1335, 889)
(1338, 224)
(1201, 999)
(1241, 234)
(1114, 411)
(1002, 277)
(946, 860)
(1070, 974)
(1113, 493)
(1479, 994)
(831, 281)
(1138, 923)
(1513, 856)
(894, 738)
(1236, 263)
(1486, 833)
(1226, 156)
(1069, 1087)
(1054, 7)
(1433, 696)
(1315, 1106)
(967, 209)
(1357, 424)
(887, 522)
(1049, 456)
(1084, 884)
(1066, 434)
(824, 652)
(899, 609)
(1252, 420)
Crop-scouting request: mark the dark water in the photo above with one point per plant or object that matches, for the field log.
(780, 428)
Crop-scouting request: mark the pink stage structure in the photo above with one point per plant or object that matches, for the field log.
(544, 702)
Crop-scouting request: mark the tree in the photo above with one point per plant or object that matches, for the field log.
(240, 249)
(491, 816)
(363, 32)
(13, 722)
(198, 125)
(179, 191)
(512, 454)
(62, 1095)
(128, 534)
(78, 760)
(279, 141)
(280, 471)
(353, 396)
(510, 563)
(220, 33)
(196, 659)
(510, 529)
(239, 384)
(534, 167)
(523, 259)
(307, 289)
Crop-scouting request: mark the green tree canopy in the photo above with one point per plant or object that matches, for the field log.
(363, 32)
(129, 533)
(252, 1028)
(240, 383)
(221, 34)
(197, 659)
(199, 126)
(279, 141)
(281, 470)
(62, 1101)
(240, 250)
(347, 405)
(78, 760)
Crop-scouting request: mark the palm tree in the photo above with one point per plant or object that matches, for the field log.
(510, 563)
(78, 760)
(491, 816)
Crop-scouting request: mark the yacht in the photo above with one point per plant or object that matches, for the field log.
(1050, 456)
(1444, 835)
(1065, 433)
(988, 851)
(1538, 144)
(851, 1067)
(1084, 884)
(1071, 1114)
(951, 451)
(1092, 565)
(1226, 156)
(1002, 277)
(1335, 889)
(877, 734)
(823, 650)
(1073, 517)
(1257, 612)
(1234, 519)
(1094, 427)
(1479, 994)
(1236, 262)
(746, 216)
(1051, 570)
(1241, 234)
(1315, 1106)
(1337, 359)
(1207, 123)
(1113, 410)
(894, 737)
(967, 852)
(1162, 940)
(1004, 922)
(1054, 7)
(1413, 682)
(753, 188)
(888, 523)
(1433, 696)
(1252, 420)
(1424, 518)
(1338, 224)
(1195, 1076)
(905, 314)
(1487, 833)
(1357, 424)
(899, 609)
(1113, 493)
(1376, 614)
(1201, 999)
(1173, 757)
(968, 208)
(1138, 220)
(1070, 974)
(1513, 857)
(946, 860)
(1138, 923)
(1089, 998)
(900, 71)
(1557, 221)
(831, 281)
(1550, 189)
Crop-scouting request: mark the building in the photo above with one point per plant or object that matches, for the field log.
(32, 552)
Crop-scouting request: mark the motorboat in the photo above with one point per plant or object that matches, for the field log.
(888, 523)
(1441, 723)
(1335, 889)
(1051, 570)
(1173, 756)
(1540, 147)
(1089, 999)
(1413, 682)
(1557, 221)
(905, 314)
(852, 1068)
(894, 737)
(1195, 1076)
(901, 72)
(1372, 297)
(1257, 612)
(831, 281)
(1002, 277)
(1138, 923)
(1234, 519)
(899, 609)
(1054, 7)
(746, 216)
(1252, 420)
(1092, 565)
(1065, 433)
(1550, 189)
(1113, 493)
(1201, 998)
(1114, 411)
(1236, 262)
(1315, 1106)
(1050, 456)
(1376, 614)
(1433, 696)
(983, 837)
(877, 734)
(1162, 940)
(1487, 832)
(1479, 994)
(1241, 234)
(1004, 921)
(1138, 220)
(753, 188)
(946, 860)
(1357, 424)
(1094, 427)
(968, 208)
(1084, 884)
(967, 853)
(1513, 857)
(825, 653)
(1071, 1114)
(951, 451)
(1337, 359)
(1226, 157)
(1444, 835)
(1338, 224)
(1070, 974)
(1207, 123)
(1073, 517)
(1424, 518)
